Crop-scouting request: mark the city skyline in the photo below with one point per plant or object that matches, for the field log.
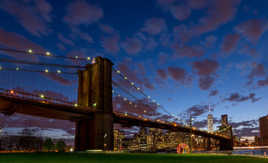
(187, 55)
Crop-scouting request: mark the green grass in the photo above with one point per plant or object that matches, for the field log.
(123, 158)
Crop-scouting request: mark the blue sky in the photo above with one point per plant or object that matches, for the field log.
(178, 51)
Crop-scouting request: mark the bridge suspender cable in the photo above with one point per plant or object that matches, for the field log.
(41, 64)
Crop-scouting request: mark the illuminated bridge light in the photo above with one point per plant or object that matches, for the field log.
(145, 119)
(125, 78)
(75, 105)
(93, 61)
(76, 57)
(59, 71)
(48, 53)
(30, 51)
(12, 92)
(1, 68)
(125, 99)
(42, 95)
(125, 114)
(138, 89)
(94, 105)
(88, 58)
(139, 116)
(130, 103)
(112, 91)
(132, 83)
(144, 111)
(17, 68)
(118, 72)
(46, 71)
(149, 97)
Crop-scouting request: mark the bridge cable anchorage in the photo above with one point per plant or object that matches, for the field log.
(46, 54)
(41, 64)
(141, 91)
(39, 71)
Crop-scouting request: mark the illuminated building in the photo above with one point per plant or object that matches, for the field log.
(264, 130)
(210, 123)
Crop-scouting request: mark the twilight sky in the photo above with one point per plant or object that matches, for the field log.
(185, 54)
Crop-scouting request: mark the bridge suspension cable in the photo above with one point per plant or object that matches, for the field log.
(141, 91)
(46, 54)
(40, 64)
(39, 71)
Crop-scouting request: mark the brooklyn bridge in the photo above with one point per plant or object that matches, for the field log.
(93, 112)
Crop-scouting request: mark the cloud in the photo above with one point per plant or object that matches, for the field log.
(162, 74)
(210, 41)
(33, 18)
(197, 110)
(249, 123)
(16, 41)
(107, 29)
(65, 40)
(236, 97)
(198, 4)
(80, 12)
(206, 69)
(253, 29)
(139, 107)
(154, 26)
(180, 12)
(132, 45)
(213, 93)
(247, 131)
(187, 51)
(111, 44)
(230, 42)
(178, 74)
(58, 78)
(219, 13)
(257, 71)
(81, 35)
(263, 83)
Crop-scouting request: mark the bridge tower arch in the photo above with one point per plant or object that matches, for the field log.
(95, 91)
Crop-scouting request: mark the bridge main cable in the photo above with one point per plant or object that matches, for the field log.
(41, 64)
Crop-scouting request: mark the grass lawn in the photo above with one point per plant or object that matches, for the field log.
(123, 158)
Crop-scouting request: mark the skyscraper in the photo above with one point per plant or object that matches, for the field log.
(210, 123)
(263, 130)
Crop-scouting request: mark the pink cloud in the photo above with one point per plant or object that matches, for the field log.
(257, 71)
(111, 44)
(162, 74)
(205, 69)
(80, 12)
(181, 12)
(210, 41)
(32, 18)
(78, 33)
(253, 29)
(107, 29)
(230, 42)
(58, 78)
(177, 74)
(16, 41)
(219, 13)
(197, 4)
(263, 83)
(65, 40)
(154, 26)
(132, 45)
(188, 51)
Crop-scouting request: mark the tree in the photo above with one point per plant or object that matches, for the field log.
(48, 145)
(61, 146)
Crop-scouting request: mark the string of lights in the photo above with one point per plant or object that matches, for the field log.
(46, 54)
(141, 91)
(40, 63)
(38, 71)
(13, 92)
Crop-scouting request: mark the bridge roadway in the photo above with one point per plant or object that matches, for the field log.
(42, 108)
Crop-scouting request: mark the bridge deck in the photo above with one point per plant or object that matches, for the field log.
(13, 104)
